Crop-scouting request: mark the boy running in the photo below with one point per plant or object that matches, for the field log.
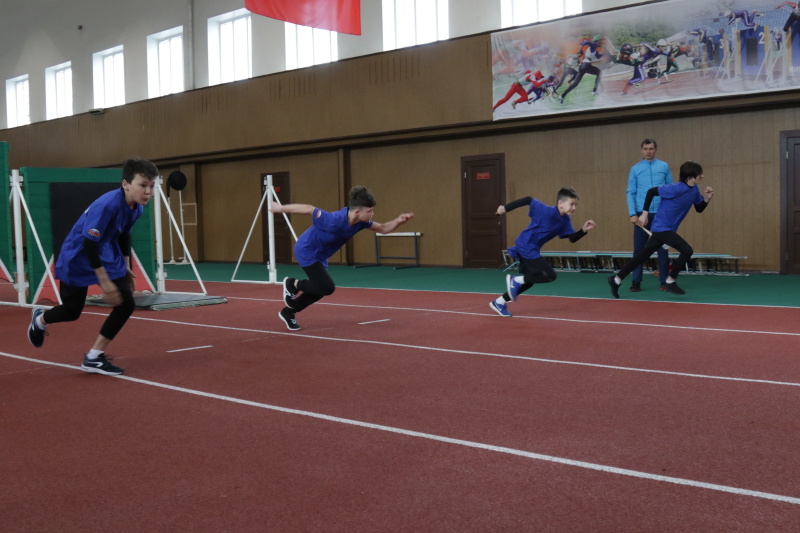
(547, 222)
(328, 233)
(97, 250)
(676, 200)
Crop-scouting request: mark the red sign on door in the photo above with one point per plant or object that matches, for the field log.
(483, 176)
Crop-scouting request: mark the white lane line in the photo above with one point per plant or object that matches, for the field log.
(193, 348)
(470, 352)
(459, 442)
(576, 320)
(375, 321)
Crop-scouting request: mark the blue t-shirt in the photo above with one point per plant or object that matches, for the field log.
(328, 233)
(546, 224)
(103, 222)
(676, 200)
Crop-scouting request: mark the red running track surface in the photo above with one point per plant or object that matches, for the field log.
(401, 410)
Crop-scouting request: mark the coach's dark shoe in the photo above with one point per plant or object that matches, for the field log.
(289, 292)
(614, 286)
(673, 288)
(287, 315)
(100, 365)
(636, 286)
(36, 333)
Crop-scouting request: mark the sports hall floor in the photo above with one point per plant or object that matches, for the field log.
(406, 404)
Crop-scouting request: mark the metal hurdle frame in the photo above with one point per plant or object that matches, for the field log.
(269, 196)
(19, 205)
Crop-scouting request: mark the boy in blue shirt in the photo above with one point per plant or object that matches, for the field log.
(97, 250)
(676, 200)
(547, 222)
(328, 233)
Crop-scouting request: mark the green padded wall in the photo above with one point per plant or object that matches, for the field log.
(36, 186)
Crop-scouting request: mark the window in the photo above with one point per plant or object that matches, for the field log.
(410, 22)
(229, 47)
(109, 78)
(521, 12)
(309, 46)
(58, 90)
(18, 101)
(165, 63)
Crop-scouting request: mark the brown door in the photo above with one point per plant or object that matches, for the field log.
(284, 242)
(483, 190)
(790, 202)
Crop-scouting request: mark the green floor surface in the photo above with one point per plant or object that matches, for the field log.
(755, 289)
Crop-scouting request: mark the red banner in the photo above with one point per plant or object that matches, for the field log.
(343, 16)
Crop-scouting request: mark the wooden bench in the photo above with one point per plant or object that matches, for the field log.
(589, 261)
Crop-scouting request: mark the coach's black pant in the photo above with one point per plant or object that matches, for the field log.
(655, 242)
(318, 285)
(74, 298)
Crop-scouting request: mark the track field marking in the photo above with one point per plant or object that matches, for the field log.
(187, 349)
(448, 440)
(374, 321)
(470, 352)
(578, 321)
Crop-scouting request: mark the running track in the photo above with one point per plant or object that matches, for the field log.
(406, 411)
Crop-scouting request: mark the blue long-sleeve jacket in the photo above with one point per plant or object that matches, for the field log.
(643, 176)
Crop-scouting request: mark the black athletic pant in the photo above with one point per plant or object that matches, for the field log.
(318, 285)
(585, 68)
(655, 242)
(537, 270)
(74, 298)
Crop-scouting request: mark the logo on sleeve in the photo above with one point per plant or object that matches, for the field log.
(94, 233)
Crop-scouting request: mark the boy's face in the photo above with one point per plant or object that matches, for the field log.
(691, 182)
(364, 214)
(567, 206)
(139, 190)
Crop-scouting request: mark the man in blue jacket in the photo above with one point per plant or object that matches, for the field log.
(644, 175)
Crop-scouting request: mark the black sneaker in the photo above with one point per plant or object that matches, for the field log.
(614, 286)
(289, 292)
(35, 333)
(636, 286)
(673, 288)
(100, 365)
(287, 315)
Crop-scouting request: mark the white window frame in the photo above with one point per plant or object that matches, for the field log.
(237, 48)
(521, 12)
(58, 90)
(18, 104)
(109, 77)
(307, 46)
(165, 63)
(413, 22)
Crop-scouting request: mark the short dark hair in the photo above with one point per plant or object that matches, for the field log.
(649, 141)
(140, 166)
(567, 192)
(360, 196)
(690, 170)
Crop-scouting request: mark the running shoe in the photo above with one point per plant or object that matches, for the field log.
(500, 309)
(100, 365)
(36, 334)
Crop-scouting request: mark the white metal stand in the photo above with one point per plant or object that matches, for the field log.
(269, 196)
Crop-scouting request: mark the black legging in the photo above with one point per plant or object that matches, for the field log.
(74, 298)
(655, 242)
(585, 68)
(537, 270)
(318, 285)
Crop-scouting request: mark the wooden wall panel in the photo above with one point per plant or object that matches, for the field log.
(232, 192)
(406, 118)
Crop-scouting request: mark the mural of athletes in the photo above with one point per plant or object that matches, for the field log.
(665, 51)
